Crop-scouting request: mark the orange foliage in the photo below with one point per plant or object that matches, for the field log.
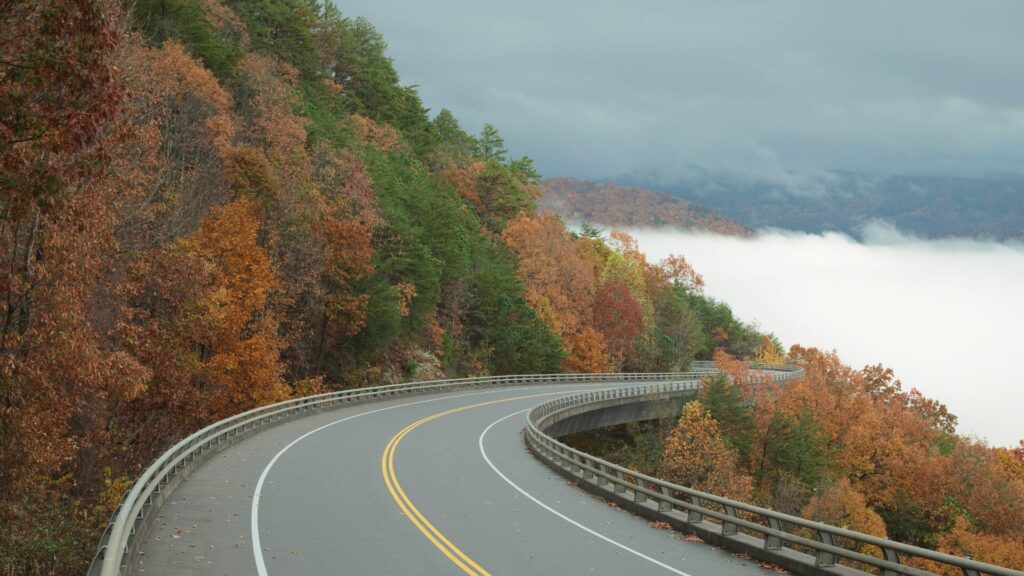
(588, 353)
(558, 274)
(464, 180)
(1006, 551)
(280, 133)
(838, 504)
(381, 136)
(695, 455)
(201, 320)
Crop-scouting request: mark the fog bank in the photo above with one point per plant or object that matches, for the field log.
(946, 316)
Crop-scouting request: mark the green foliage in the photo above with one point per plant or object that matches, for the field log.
(44, 538)
(525, 170)
(490, 145)
(588, 230)
(502, 323)
(908, 522)
(679, 335)
(353, 55)
(283, 28)
(720, 329)
(421, 207)
(184, 21)
(726, 403)
(503, 196)
(797, 446)
(326, 113)
(452, 139)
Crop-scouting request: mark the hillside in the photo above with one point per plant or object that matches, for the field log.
(928, 207)
(613, 205)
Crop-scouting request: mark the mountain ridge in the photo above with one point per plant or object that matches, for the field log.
(613, 205)
(930, 207)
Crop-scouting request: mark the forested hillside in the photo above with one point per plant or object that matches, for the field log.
(850, 448)
(613, 205)
(208, 206)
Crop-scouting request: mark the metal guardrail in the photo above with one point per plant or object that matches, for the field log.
(139, 505)
(687, 507)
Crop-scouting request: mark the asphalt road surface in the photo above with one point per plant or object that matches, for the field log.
(438, 484)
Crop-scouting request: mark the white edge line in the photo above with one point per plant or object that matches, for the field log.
(483, 453)
(257, 548)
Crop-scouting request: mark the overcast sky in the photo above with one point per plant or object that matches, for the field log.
(598, 88)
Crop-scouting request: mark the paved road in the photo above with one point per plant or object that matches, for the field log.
(437, 484)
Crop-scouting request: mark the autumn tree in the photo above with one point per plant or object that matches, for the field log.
(695, 455)
(558, 275)
(618, 317)
(201, 320)
(838, 504)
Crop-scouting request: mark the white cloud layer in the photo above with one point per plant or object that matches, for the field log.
(947, 316)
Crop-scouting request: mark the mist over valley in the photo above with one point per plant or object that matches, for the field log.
(946, 315)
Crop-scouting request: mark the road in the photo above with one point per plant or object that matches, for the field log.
(438, 484)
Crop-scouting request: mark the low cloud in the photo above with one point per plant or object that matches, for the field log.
(945, 315)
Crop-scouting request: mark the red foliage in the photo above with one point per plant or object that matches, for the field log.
(617, 315)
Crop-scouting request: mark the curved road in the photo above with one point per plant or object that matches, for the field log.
(438, 484)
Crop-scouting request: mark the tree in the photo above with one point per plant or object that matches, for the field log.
(963, 540)
(794, 446)
(696, 456)
(618, 317)
(726, 404)
(680, 335)
(454, 141)
(770, 351)
(525, 170)
(589, 230)
(490, 145)
(838, 504)
(559, 282)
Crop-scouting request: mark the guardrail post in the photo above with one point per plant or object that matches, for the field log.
(639, 496)
(601, 480)
(970, 572)
(772, 542)
(730, 528)
(620, 486)
(693, 515)
(823, 558)
(574, 466)
(892, 556)
(587, 474)
(663, 504)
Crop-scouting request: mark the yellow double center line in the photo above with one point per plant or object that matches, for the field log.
(387, 468)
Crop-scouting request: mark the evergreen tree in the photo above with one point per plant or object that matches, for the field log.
(490, 145)
(726, 404)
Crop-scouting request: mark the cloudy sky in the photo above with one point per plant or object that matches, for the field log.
(598, 88)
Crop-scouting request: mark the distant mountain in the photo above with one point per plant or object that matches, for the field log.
(613, 205)
(929, 207)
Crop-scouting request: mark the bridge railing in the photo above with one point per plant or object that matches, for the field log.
(139, 505)
(780, 535)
